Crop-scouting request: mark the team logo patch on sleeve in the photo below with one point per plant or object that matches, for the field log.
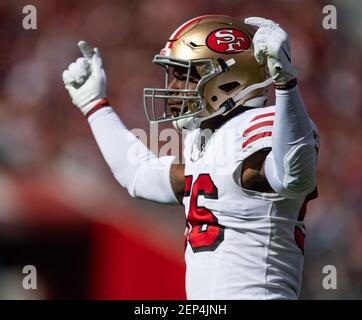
(228, 41)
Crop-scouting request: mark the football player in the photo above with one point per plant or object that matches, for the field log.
(245, 232)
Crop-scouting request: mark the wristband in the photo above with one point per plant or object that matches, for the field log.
(99, 105)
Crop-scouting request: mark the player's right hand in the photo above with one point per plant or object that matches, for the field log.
(85, 79)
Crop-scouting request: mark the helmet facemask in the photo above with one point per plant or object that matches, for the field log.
(192, 105)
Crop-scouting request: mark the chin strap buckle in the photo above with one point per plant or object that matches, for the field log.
(228, 104)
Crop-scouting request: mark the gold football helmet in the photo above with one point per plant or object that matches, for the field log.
(218, 52)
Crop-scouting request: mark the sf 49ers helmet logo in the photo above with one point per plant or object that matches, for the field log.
(228, 40)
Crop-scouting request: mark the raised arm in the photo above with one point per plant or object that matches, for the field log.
(133, 165)
(290, 167)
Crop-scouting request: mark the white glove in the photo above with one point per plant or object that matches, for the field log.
(271, 42)
(85, 79)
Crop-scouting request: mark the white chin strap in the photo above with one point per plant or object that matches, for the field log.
(257, 102)
(193, 123)
(189, 123)
(251, 88)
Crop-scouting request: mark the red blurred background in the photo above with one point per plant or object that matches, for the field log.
(60, 208)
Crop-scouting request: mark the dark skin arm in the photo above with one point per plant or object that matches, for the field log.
(177, 178)
(252, 175)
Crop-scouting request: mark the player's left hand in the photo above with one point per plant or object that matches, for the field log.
(271, 42)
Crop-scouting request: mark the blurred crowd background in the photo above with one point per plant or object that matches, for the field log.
(60, 208)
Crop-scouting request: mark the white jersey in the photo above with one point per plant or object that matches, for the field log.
(240, 244)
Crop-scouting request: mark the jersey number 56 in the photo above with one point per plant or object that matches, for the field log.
(203, 232)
